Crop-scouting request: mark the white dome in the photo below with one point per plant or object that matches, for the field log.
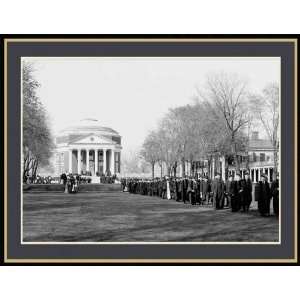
(88, 125)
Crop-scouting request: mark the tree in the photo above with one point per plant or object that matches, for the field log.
(176, 120)
(133, 164)
(37, 139)
(150, 150)
(266, 109)
(168, 144)
(228, 95)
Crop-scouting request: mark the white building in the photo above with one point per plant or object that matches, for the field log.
(261, 158)
(88, 148)
(258, 159)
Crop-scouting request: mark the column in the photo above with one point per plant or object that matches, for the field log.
(87, 160)
(79, 161)
(70, 161)
(223, 168)
(96, 161)
(104, 161)
(112, 162)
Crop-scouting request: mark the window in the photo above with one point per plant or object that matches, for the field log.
(254, 158)
(262, 157)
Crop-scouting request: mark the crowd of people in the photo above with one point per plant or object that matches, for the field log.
(109, 179)
(71, 182)
(235, 193)
(38, 179)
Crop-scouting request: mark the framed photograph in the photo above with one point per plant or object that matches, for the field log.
(150, 149)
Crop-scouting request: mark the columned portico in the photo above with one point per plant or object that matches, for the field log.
(79, 161)
(104, 161)
(88, 148)
(112, 162)
(70, 160)
(97, 161)
(87, 160)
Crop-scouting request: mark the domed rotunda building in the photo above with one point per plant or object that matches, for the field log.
(88, 148)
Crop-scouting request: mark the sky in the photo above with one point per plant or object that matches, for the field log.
(131, 95)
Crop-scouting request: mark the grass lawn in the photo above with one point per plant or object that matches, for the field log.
(123, 217)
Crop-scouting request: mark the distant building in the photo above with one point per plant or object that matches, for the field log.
(88, 148)
(257, 160)
(261, 159)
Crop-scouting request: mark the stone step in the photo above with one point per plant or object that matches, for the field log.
(95, 179)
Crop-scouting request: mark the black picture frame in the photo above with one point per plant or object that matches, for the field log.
(13, 47)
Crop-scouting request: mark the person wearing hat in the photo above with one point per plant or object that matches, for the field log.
(206, 188)
(218, 192)
(184, 189)
(229, 191)
(63, 178)
(238, 191)
(200, 189)
(246, 193)
(193, 191)
(190, 191)
(197, 190)
(264, 196)
(275, 195)
(178, 189)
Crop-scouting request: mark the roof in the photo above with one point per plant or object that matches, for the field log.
(88, 126)
(75, 139)
(260, 144)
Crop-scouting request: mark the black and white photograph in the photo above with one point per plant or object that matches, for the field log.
(150, 150)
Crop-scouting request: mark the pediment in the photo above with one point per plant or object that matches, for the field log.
(93, 139)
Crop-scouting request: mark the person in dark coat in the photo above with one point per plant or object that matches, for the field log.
(237, 195)
(247, 192)
(175, 187)
(192, 191)
(242, 192)
(206, 189)
(70, 182)
(157, 187)
(164, 189)
(179, 190)
(275, 195)
(160, 188)
(197, 192)
(239, 192)
(200, 186)
(218, 192)
(172, 188)
(64, 178)
(189, 189)
(229, 190)
(264, 196)
(184, 189)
